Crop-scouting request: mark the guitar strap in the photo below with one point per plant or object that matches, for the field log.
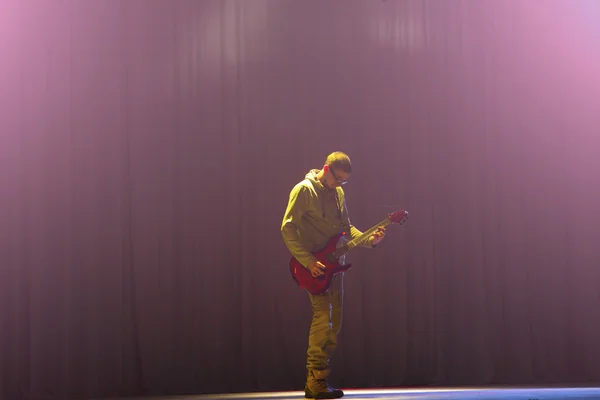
(344, 227)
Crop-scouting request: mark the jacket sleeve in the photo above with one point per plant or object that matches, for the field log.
(297, 206)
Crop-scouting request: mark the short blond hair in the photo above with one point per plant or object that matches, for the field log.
(339, 160)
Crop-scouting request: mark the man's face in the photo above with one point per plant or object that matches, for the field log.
(336, 178)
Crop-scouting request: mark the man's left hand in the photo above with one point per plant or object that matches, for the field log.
(378, 236)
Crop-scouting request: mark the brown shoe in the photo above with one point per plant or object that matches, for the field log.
(318, 388)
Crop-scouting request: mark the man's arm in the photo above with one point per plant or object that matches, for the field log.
(297, 205)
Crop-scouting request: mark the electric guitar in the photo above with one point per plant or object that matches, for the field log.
(331, 253)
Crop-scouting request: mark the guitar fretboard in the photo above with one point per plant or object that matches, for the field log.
(359, 239)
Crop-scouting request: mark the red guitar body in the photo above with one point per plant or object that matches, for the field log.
(319, 285)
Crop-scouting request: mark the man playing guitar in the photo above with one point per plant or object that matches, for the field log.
(316, 213)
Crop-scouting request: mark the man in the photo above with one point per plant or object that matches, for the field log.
(316, 211)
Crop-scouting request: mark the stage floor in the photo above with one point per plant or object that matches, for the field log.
(471, 393)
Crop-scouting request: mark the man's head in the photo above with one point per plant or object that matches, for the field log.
(337, 169)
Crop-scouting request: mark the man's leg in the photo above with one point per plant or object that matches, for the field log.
(336, 299)
(322, 341)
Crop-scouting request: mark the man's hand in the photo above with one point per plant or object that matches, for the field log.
(316, 269)
(378, 236)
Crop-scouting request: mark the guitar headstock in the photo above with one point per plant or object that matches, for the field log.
(398, 217)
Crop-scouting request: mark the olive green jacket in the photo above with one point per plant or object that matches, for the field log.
(314, 215)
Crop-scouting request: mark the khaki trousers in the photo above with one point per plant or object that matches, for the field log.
(326, 323)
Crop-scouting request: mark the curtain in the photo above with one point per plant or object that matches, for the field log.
(147, 151)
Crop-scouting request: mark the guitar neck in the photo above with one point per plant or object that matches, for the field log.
(360, 239)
